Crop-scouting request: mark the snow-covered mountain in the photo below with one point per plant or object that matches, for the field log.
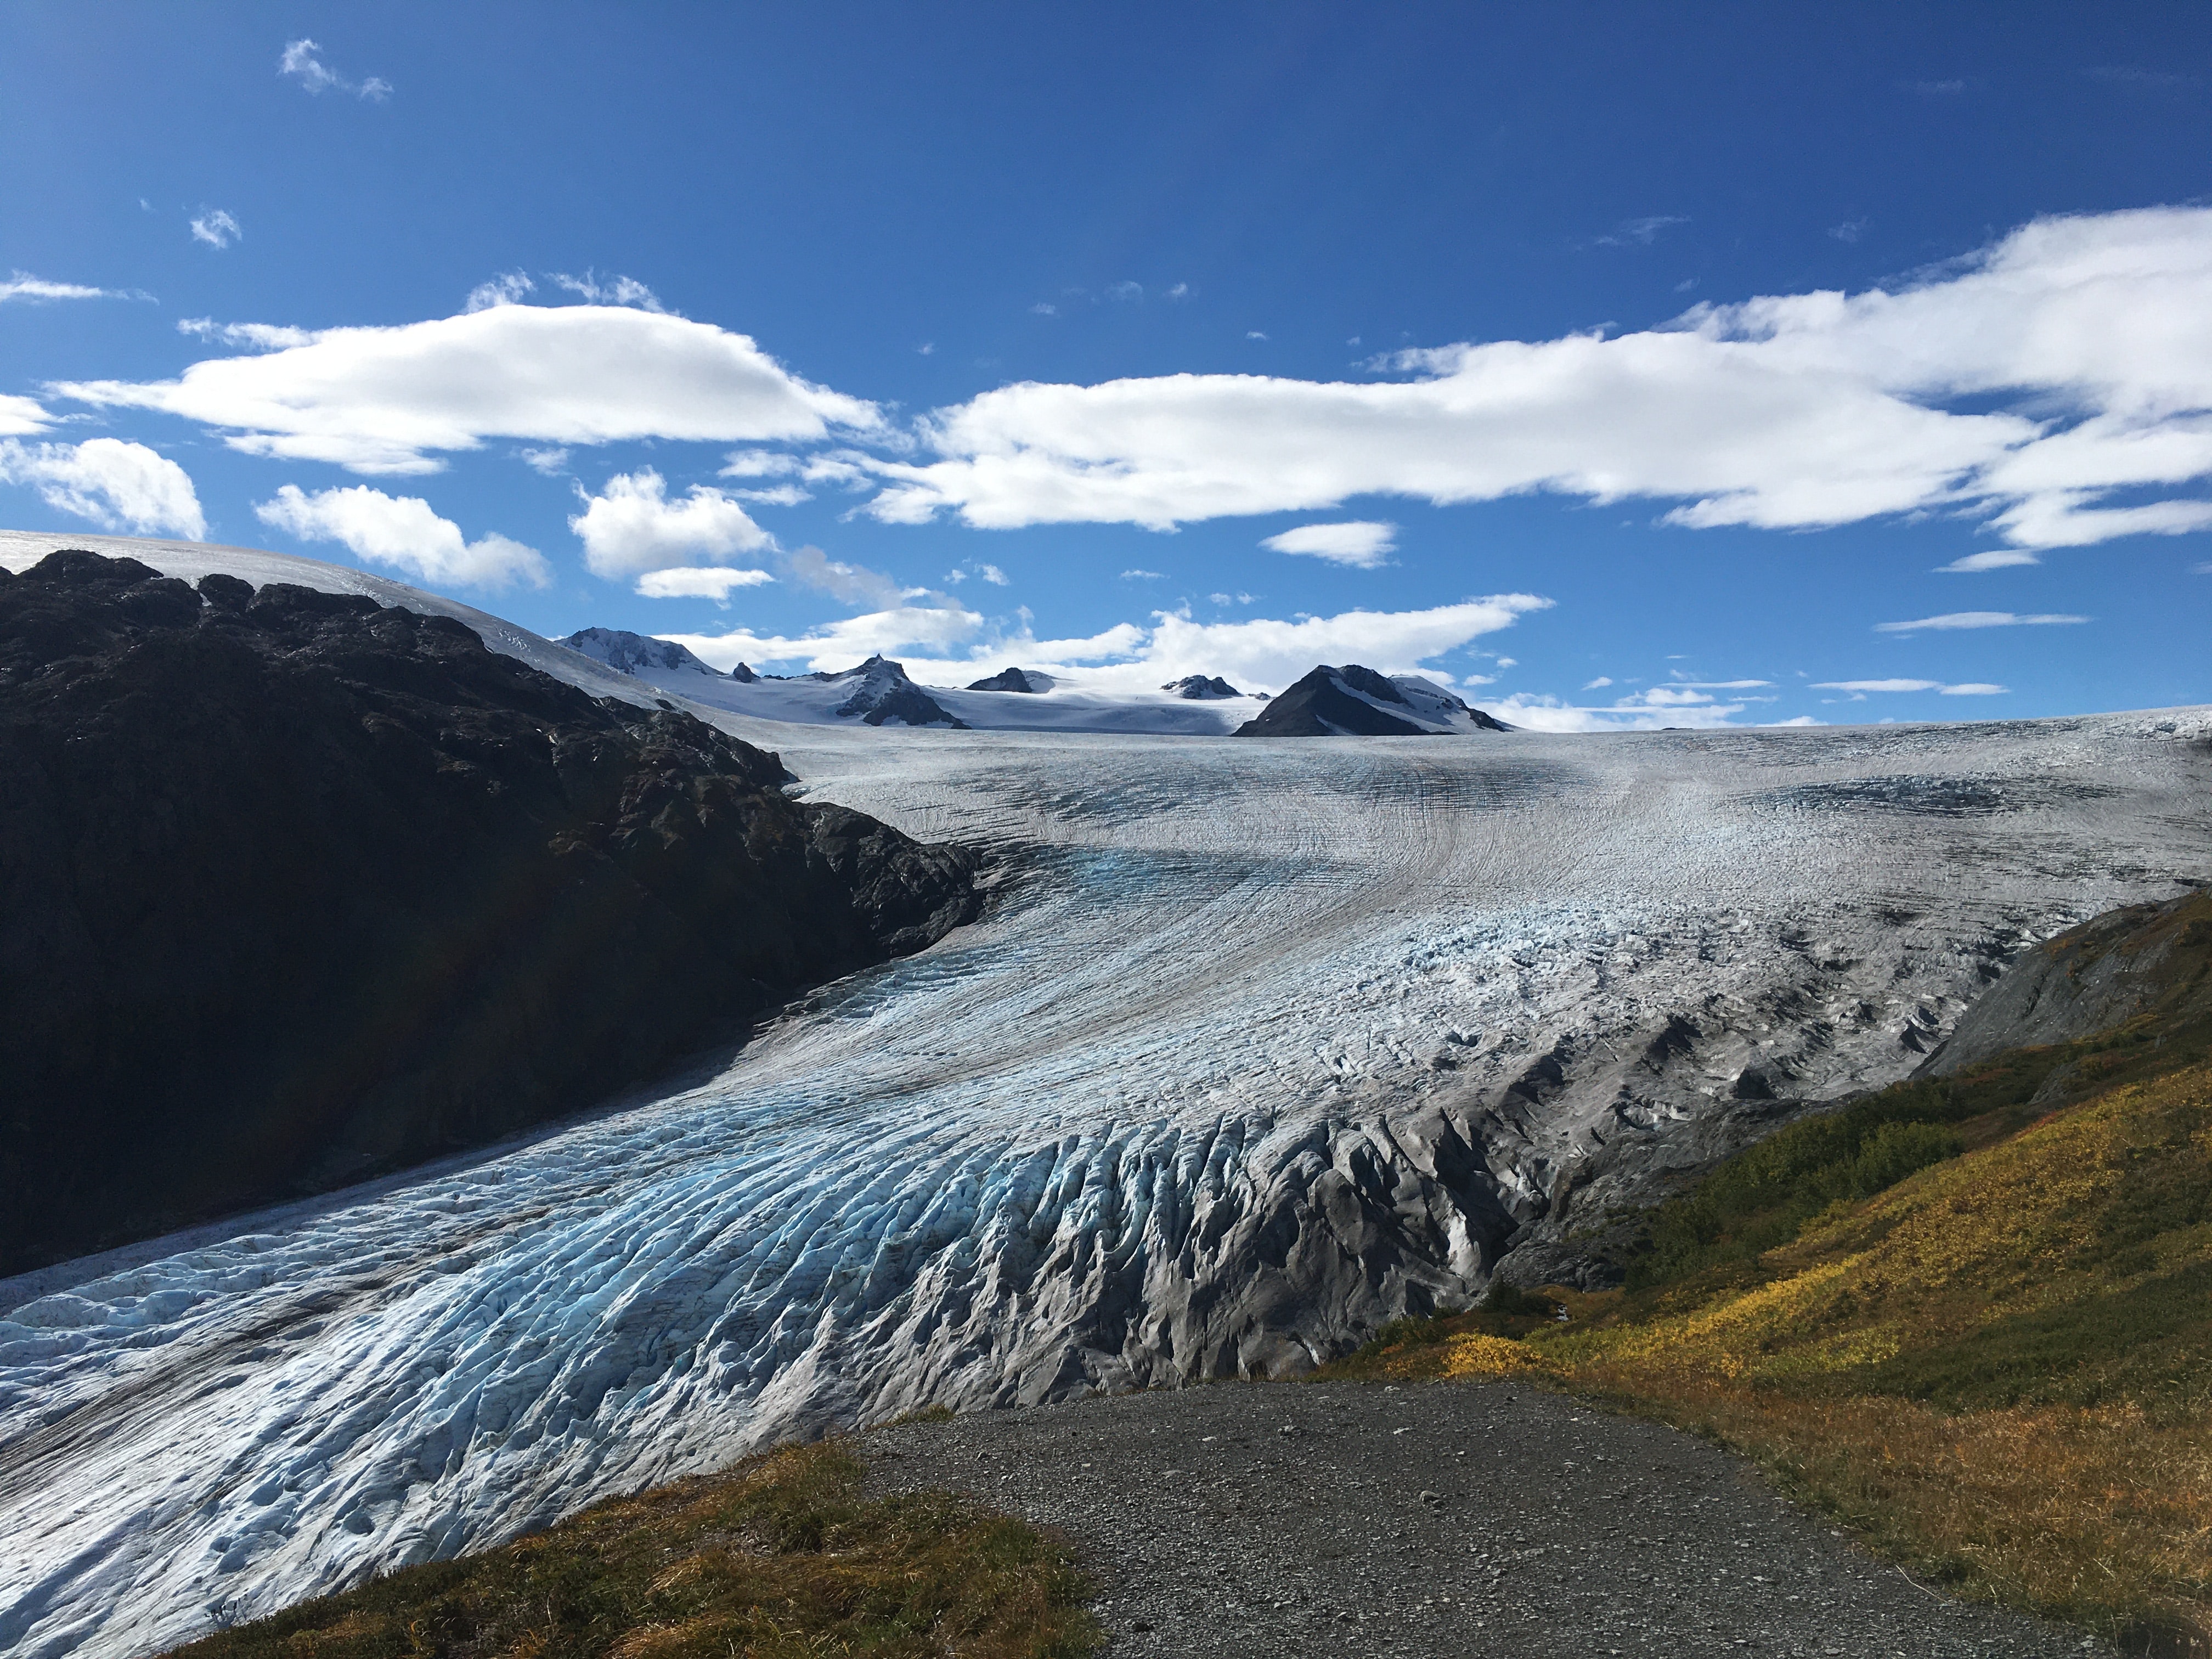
(1353, 702)
(626, 652)
(1267, 1041)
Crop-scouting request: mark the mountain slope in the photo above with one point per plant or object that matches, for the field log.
(300, 888)
(1971, 1314)
(1353, 702)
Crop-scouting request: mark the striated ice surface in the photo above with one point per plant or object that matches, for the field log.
(1262, 1042)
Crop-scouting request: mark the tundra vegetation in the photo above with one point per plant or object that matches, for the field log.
(1969, 1318)
(779, 1557)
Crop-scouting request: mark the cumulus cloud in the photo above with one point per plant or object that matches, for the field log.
(704, 582)
(1977, 619)
(22, 416)
(632, 526)
(118, 486)
(2092, 335)
(388, 399)
(301, 64)
(404, 532)
(1261, 653)
(216, 228)
(1364, 543)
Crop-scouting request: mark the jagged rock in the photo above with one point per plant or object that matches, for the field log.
(1196, 686)
(298, 889)
(1010, 679)
(881, 692)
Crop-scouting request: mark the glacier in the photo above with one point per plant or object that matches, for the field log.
(1260, 1043)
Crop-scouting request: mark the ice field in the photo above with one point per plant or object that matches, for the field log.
(1261, 1042)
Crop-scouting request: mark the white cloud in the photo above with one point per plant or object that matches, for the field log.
(1144, 575)
(1599, 684)
(1971, 690)
(118, 486)
(385, 400)
(992, 574)
(1996, 558)
(632, 526)
(1640, 233)
(507, 288)
(1125, 291)
(1181, 291)
(216, 228)
(548, 463)
(708, 582)
(255, 337)
(613, 291)
(300, 62)
(22, 416)
(759, 464)
(24, 286)
(404, 532)
(1796, 411)
(782, 494)
(1045, 308)
(1364, 543)
(1850, 231)
(853, 584)
(1976, 619)
(1261, 653)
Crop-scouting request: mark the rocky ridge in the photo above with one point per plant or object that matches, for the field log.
(300, 888)
(1353, 702)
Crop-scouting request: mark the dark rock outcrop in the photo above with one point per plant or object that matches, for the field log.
(2139, 959)
(1319, 706)
(1351, 703)
(294, 889)
(1006, 679)
(1199, 687)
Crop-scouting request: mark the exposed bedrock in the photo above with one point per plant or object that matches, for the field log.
(297, 889)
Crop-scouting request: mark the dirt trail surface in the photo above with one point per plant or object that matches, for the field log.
(1435, 1521)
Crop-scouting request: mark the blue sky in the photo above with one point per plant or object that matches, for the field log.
(1626, 366)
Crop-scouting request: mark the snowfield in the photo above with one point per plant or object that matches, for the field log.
(1263, 1041)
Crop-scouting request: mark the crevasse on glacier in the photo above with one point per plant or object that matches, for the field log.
(1263, 1043)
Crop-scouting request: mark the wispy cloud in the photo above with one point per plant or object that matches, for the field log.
(254, 336)
(405, 532)
(507, 288)
(1365, 543)
(1862, 686)
(1976, 619)
(22, 416)
(1045, 308)
(23, 287)
(1143, 576)
(2126, 75)
(1850, 231)
(1950, 88)
(1640, 233)
(216, 228)
(301, 63)
(594, 290)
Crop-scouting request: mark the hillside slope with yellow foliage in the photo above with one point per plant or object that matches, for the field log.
(1970, 1316)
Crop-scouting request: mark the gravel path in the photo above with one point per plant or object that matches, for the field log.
(1434, 1520)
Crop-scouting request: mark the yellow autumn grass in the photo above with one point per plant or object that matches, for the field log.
(1999, 1370)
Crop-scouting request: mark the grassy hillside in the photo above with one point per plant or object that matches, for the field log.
(779, 1557)
(1973, 1318)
